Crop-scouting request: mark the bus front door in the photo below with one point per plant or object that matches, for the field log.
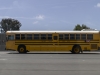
(10, 42)
(55, 42)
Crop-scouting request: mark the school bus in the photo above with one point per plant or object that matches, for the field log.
(56, 41)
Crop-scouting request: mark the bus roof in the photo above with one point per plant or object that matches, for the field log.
(52, 32)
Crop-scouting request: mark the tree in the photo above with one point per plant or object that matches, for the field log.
(79, 27)
(84, 27)
(10, 24)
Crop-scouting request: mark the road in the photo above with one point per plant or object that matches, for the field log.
(13, 63)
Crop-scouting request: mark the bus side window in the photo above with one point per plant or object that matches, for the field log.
(22, 36)
(49, 36)
(36, 36)
(60, 36)
(29, 37)
(43, 36)
(10, 37)
(17, 36)
(72, 36)
(83, 36)
(66, 36)
(90, 36)
(55, 37)
(77, 36)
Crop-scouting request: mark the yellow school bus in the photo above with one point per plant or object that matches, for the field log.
(55, 41)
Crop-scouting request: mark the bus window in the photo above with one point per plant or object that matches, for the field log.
(83, 36)
(22, 36)
(60, 36)
(29, 37)
(66, 36)
(77, 36)
(36, 36)
(55, 37)
(72, 36)
(43, 36)
(10, 37)
(90, 36)
(17, 36)
(49, 36)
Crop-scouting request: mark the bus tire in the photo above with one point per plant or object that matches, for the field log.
(22, 49)
(76, 49)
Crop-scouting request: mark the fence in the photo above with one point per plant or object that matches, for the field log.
(2, 41)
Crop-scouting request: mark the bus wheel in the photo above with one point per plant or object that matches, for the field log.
(22, 49)
(76, 49)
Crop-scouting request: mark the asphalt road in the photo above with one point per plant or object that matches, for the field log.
(13, 63)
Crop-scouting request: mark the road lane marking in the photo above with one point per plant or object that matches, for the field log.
(83, 60)
(3, 59)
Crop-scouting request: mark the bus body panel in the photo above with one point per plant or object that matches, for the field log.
(55, 44)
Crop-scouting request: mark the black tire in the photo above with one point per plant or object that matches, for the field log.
(22, 49)
(76, 49)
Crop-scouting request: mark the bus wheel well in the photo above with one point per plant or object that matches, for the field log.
(22, 48)
(21, 45)
(76, 46)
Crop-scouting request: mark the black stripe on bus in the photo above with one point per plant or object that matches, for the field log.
(71, 44)
(56, 42)
(78, 42)
(35, 44)
(51, 44)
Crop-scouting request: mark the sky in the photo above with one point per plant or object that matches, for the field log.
(52, 14)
